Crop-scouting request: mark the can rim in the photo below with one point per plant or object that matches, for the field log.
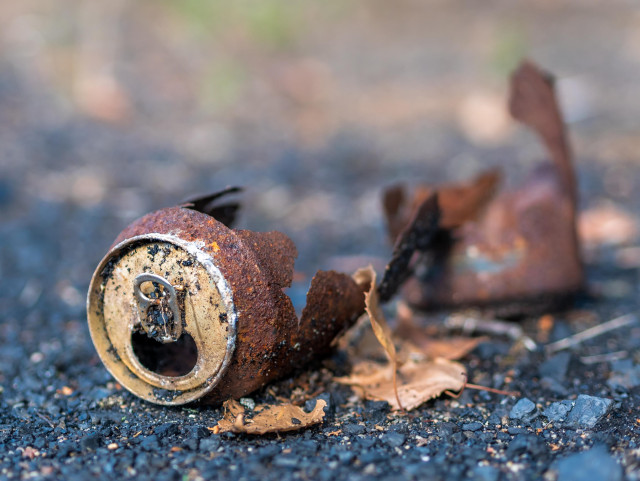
(99, 335)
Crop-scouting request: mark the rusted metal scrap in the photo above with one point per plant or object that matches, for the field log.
(516, 251)
(184, 308)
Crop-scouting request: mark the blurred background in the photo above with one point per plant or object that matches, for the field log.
(110, 109)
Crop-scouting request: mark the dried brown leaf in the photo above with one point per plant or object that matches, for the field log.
(417, 381)
(268, 419)
(451, 348)
(416, 340)
(367, 277)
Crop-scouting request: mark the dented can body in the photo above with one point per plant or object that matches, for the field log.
(183, 308)
(515, 252)
(520, 256)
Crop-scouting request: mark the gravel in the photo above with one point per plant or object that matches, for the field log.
(595, 463)
(62, 416)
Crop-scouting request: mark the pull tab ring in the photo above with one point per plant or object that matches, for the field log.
(160, 317)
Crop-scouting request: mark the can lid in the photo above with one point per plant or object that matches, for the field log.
(162, 318)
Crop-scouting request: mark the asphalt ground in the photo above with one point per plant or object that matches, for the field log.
(70, 182)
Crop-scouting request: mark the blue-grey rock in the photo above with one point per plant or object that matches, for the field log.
(486, 473)
(209, 444)
(596, 463)
(624, 375)
(394, 439)
(526, 443)
(557, 412)
(555, 367)
(524, 410)
(554, 386)
(587, 411)
(353, 428)
(474, 426)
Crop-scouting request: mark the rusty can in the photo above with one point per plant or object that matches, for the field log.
(184, 308)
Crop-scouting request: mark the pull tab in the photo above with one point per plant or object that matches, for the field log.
(160, 315)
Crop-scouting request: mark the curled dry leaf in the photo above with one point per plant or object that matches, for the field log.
(268, 419)
(367, 278)
(418, 343)
(413, 383)
(451, 348)
(417, 381)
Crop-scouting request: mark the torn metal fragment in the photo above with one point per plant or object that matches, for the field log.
(183, 308)
(417, 237)
(210, 204)
(516, 251)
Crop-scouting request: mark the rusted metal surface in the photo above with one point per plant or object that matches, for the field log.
(516, 250)
(417, 236)
(217, 205)
(184, 308)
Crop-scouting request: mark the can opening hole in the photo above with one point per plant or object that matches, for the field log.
(172, 359)
(153, 290)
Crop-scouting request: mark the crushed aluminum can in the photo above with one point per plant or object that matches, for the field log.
(184, 308)
(513, 252)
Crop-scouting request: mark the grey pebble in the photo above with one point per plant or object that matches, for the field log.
(486, 473)
(558, 411)
(596, 463)
(587, 411)
(394, 439)
(475, 426)
(524, 410)
(555, 367)
(624, 375)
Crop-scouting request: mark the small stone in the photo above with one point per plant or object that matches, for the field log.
(554, 386)
(112, 446)
(345, 457)
(210, 444)
(526, 443)
(353, 428)
(150, 443)
(445, 430)
(555, 367)
(91, 441)
(524, 410)
(596, 463)
(394, 439)
(285, 461)
(624, 375)
(486, 473)
(515, 430)
(167, 429)
(369, 470)
(366, 442)
(248, 403)
(373, 456)
(587, 411)
(557, 412)
(475, 426)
